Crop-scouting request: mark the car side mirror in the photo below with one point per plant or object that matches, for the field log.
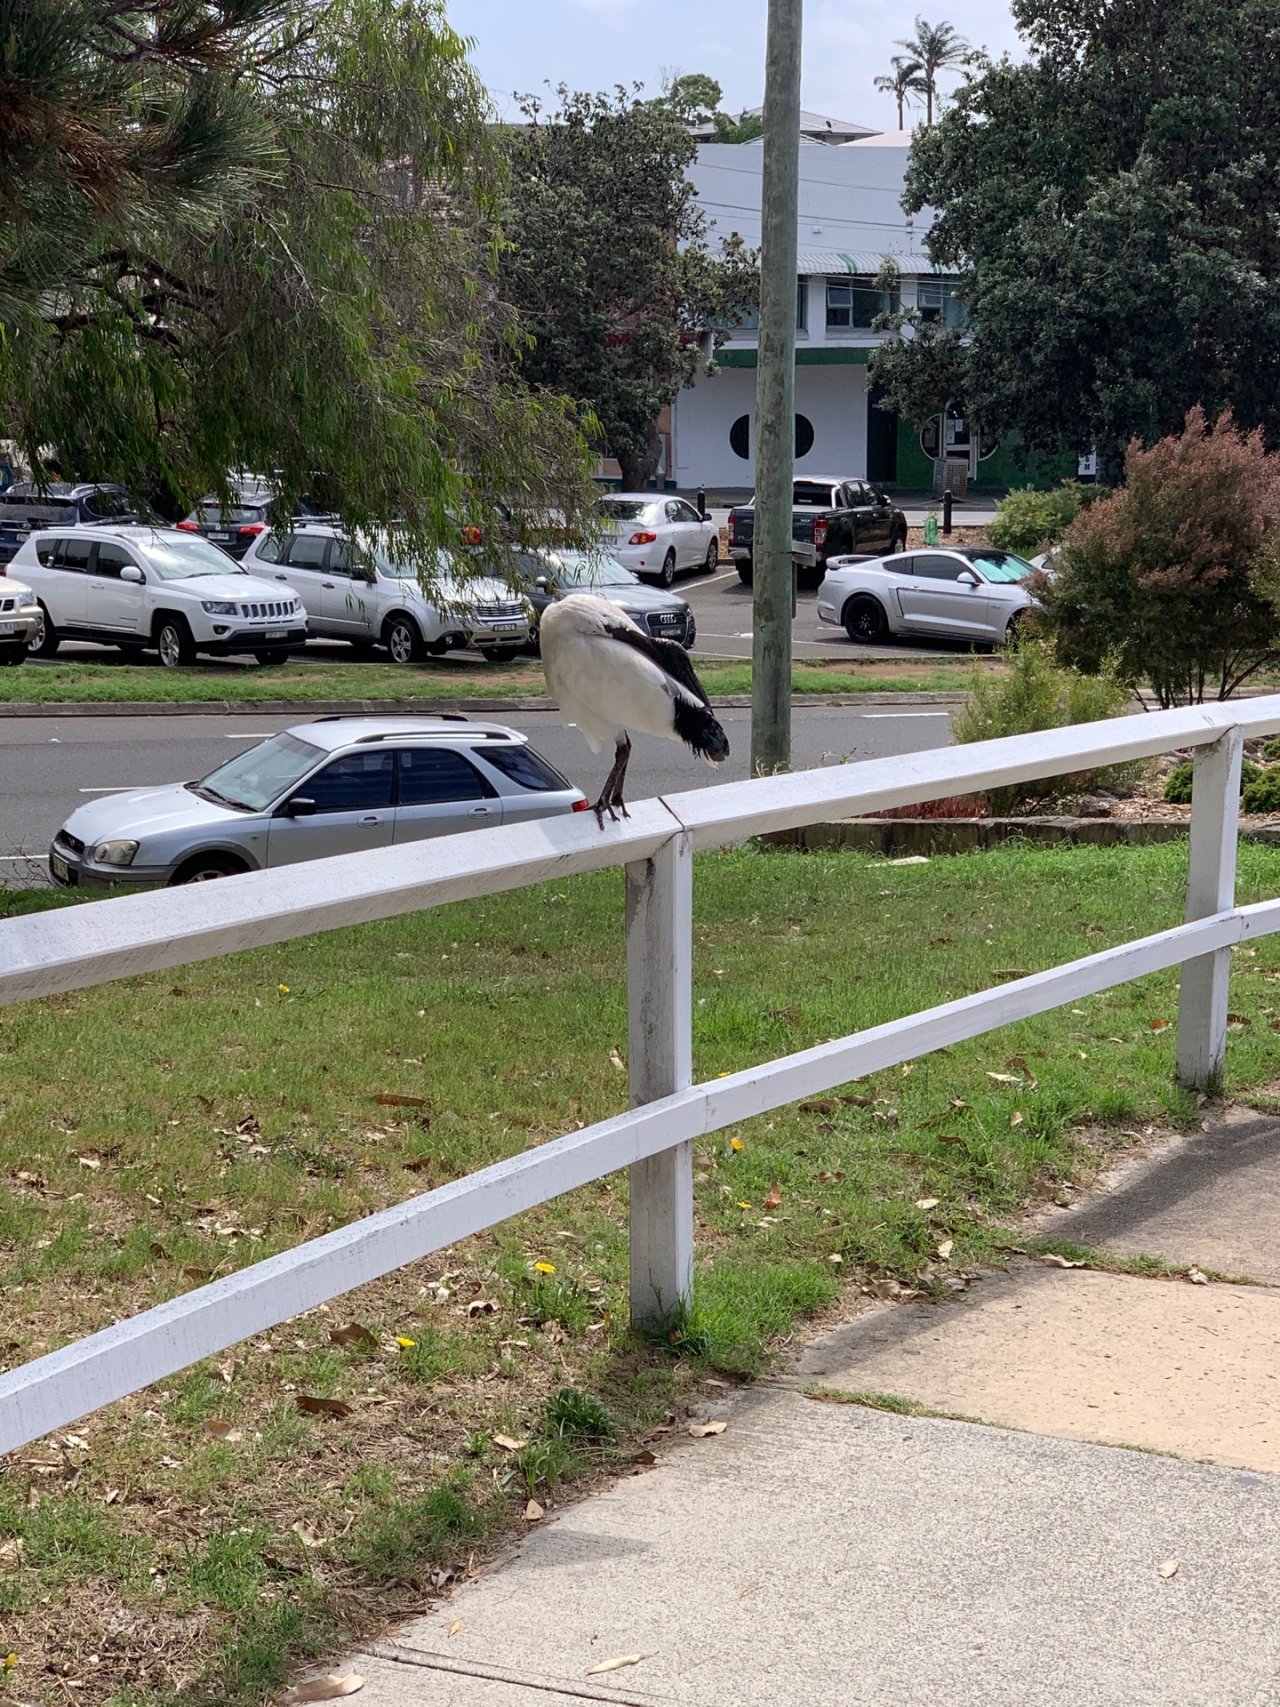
(131, 572)
(301, 806)
(542, 584)
(967, 578)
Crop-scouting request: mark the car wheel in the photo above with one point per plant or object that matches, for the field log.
(713, 555)
(746, 571)
(266, 659)
(897, 543)
(864, 621)
(12, 655)
(667, 574)
(174, 642)
(47, 639)
(501, 654)
(403, 640)
(203, 868)
(1015, 629)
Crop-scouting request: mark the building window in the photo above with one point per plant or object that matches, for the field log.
(748, 319)
(802, 304)
(854, 304)
(939, 303)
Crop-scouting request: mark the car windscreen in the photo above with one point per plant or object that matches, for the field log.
(236, 513)
(523, 766)
(625, 509)
(810, 497)
(184, 558)
(578, 569)
(398, 565)
(256, 778)
(19, 511)
(1000, 565)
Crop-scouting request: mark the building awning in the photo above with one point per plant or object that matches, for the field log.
(862, 261)
(807, 355)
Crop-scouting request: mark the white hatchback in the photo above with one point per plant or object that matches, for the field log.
(660, 536)
(365, 591)
(136, 586)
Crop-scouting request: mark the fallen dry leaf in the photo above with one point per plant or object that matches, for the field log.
(1168, 1567)
(317, 1407)
(819, 1105)
(945, 1248)
(1017, 1117)
(1160, 1025)
(1197, 1277)
(482, 1306)
(507, 1444)
(617, 1061)
(699, 1431)
(11, 1551)
(926, 1203)
(1051, 1259)
(454, 1627)
(307, 1533)
(1006, 1078)
(327, 1688)
(416, 1164)
(392, 1099)
(533, 1511)
(355, 1333)
(774, 1198)
(220, 1430)
(615, 1664)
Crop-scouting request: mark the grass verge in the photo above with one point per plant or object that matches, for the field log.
(193, 1543)
(107, 682)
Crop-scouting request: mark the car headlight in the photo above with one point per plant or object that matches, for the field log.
(115, 853)
(218, 607)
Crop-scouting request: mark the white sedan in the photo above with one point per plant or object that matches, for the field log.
(659, 536)
(960, 593)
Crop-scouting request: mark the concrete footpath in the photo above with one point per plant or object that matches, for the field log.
(824, 1553)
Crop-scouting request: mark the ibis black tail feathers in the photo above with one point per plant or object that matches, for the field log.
(698, 729)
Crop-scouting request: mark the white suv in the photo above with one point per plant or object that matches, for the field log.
(362, 590)
(135, 587)
(19, 619)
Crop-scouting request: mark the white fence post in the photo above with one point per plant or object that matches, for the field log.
(660, 1060)
(1211, 888)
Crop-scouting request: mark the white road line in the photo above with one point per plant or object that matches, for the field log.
(731, 575)
(900, 714)
(18, 859)
(250, 735)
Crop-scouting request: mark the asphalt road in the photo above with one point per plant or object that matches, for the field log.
(51, 765)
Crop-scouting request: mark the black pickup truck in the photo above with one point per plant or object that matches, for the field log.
(838, 518)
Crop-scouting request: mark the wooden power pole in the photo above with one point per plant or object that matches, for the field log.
(774, 582)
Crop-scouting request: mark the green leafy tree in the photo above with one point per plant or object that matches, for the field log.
(1107, 204)
(903, 82)
(607, 264)
(1177, 573)
(264, 235)
(932, 48)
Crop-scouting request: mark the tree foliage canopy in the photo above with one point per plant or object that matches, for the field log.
(607, 264)
(1176, 575)
(1109, 205)
(263, 234)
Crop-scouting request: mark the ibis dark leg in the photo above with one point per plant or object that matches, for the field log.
(611, 793)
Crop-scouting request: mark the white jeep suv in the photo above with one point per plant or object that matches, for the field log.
(138, 586)
(362, 590)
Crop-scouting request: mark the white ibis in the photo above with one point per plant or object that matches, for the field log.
(608, 676)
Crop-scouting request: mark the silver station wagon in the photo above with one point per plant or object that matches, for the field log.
(337, 786)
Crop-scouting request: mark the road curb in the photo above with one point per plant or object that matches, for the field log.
(406, 707)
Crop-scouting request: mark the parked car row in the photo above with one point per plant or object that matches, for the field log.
(339, 785)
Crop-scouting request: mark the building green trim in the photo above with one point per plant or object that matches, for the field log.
(826, 355)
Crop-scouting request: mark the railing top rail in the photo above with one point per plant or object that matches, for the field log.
(47, 953)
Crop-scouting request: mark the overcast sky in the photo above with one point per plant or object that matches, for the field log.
(592, 44)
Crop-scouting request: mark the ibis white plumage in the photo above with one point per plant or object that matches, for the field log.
(609, 677)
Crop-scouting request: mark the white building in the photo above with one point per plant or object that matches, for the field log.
(851, 219)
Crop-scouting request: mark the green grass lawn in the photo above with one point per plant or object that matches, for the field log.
(443, 679)
(207, 1534)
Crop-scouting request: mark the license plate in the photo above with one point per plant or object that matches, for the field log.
(22, 533)
(219, 536)
(506, 627)
(275, 634)
(61, 870)
(8, 628)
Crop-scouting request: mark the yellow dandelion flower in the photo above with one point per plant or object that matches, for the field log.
(544, 1268)
(735, 1144)
(404, 1343)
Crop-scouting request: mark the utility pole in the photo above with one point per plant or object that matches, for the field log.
(774, 576)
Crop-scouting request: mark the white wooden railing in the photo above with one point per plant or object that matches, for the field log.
(46, 953)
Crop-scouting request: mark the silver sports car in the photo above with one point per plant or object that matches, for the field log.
(953, 593)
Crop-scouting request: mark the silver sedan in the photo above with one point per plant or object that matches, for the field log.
(951, 593)
(340, 785)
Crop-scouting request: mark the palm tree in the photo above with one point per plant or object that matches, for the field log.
(932, 47)
(904, 82)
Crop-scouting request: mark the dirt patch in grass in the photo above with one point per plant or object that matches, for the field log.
(311, 1486)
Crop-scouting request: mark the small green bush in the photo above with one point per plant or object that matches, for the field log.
(1029, 520)
(1262, 793)
(1039, 694)
(1177, 785)
(1271, 748)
